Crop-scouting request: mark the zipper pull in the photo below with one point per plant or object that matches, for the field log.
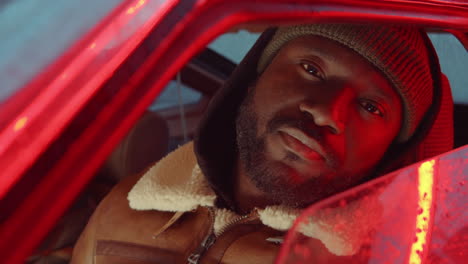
(275, 240)
(207, 242)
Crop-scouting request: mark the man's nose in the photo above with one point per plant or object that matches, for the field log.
(328, 109)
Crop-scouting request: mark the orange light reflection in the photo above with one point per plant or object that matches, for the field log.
(20, 123)
(132, 9)
(425, 183)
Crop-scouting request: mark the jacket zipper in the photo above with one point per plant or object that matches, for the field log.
(210, 239)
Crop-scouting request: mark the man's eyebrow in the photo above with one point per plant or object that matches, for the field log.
(386, 94)
(384, 91)
(323, 53)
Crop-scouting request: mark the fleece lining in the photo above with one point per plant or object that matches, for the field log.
(176, 184)
(173, 184)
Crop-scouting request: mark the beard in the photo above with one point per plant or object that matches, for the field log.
(275, 179)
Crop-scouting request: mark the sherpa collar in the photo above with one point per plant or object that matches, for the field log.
(176, 184)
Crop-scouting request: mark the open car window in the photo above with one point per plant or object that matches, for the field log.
(371, 246)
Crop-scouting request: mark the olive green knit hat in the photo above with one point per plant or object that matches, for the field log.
(398, 52)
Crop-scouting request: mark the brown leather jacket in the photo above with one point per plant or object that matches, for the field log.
(116, 233)
(168, 216)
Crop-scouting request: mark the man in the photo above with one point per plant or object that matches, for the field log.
(312, 110)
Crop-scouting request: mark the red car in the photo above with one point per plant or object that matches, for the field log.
(71, 95)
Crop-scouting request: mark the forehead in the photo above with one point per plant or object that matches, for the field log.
(337, 59)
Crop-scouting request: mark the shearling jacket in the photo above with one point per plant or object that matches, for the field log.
(168, 215)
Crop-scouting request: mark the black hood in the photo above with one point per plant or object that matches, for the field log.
(215, 140)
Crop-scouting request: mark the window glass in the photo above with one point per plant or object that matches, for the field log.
(453, 60)
(169, 97)
(234, 46)
(34, 33)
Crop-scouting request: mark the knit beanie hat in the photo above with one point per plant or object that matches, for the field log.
(398, 52)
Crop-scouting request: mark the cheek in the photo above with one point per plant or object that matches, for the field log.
(273, 95)
(367, 143)
(264, 103)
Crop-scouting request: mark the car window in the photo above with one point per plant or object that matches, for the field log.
(234, 45)
(174, 94)
(453, 60)
(35, 33)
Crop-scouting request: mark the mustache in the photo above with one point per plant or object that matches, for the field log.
(310, 129)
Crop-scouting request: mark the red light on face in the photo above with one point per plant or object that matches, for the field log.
(425, 183)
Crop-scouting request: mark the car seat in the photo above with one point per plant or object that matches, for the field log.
(146, 143)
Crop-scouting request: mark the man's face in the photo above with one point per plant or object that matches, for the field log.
(316, 121)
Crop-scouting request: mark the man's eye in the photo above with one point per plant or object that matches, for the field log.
(371, 107)
(311, 69)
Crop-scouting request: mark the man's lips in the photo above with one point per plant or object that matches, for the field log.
(302, 144)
